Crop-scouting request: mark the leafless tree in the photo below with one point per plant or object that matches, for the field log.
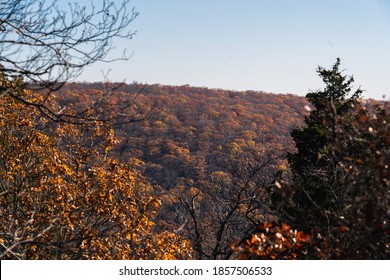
(232, 206)
(44, 44)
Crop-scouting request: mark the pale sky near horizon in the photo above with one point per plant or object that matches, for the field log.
(266, 45)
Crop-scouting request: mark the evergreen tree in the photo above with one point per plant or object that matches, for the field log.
(315, 172)
(340, 173)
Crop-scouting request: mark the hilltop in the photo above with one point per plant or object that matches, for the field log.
(184, 127)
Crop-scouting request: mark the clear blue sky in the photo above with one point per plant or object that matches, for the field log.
(273, 46)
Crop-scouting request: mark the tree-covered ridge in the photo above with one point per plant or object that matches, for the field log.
(179, 172)
(188, 125)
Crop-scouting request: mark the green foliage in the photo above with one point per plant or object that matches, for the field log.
(340, 173)
(315, 175)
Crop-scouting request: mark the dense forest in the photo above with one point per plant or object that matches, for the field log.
(198, 142)
(135, 171)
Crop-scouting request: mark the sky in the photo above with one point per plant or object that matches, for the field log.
(263, 45)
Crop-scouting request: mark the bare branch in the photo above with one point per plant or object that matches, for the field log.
(48, 44)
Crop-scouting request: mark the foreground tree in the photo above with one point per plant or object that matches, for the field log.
(316, 175)
(340, 187)
(63, 197)
(49, 44)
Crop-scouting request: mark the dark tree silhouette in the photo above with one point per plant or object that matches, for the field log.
(340, 191)
(315, 174)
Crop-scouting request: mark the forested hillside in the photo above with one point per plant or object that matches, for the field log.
(133, 171)
(209, 143)
(187, 128)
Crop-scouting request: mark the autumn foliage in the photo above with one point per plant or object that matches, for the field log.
(179, 172)
(275, 242)
(64, 197)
